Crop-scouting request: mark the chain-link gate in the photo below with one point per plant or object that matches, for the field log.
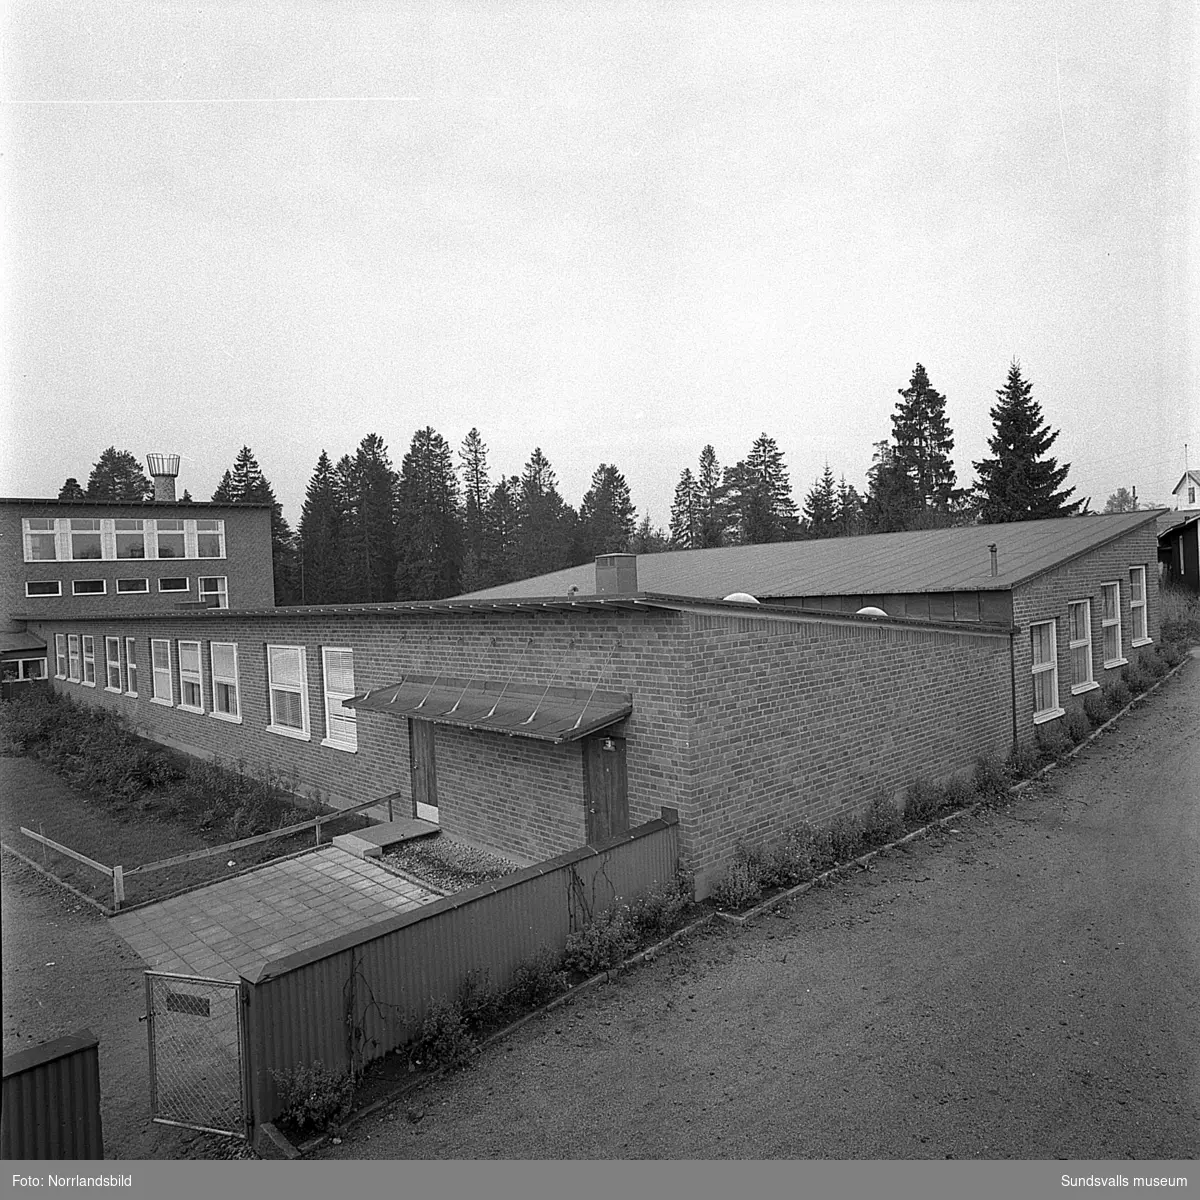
(197, 1076)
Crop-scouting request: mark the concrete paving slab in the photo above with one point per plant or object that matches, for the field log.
(233, 927)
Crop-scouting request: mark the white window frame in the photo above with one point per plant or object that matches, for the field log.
(194, 534)
(42, 595)
(274, 686)
(23, 664)
(140, 531)
(189, 678)
(161, 676)
(224, 679)
(74, 659)
(112, 663)
(176, 591)
(1050, 666)
(221, 592)
(131, 679)
(28, 533)
(102, 592)
(338, 738)
(60, 656)
(1139, 612)
(133, 591)
(89, 660)
(1089, 684)
(1107, 623)
(181, 532)
(97, 532)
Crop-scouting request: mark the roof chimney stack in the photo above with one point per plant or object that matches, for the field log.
(995, 560)
(163, 470)
(616, 574)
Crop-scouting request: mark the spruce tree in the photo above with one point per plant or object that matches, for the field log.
(1020, 483)
(500, 558)
(607, 518)
(649, 538)
(71, 490)
(849, 509)
(922, 442)
(821, 507)
(892, 503)
(545, 525)
(369, 484)
(476, 488)
(711, 501)
(322, 537)
(117, 475)
(685, 513)
(760, 496)
(429, 534)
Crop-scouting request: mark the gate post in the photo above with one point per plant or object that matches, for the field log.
(150, 1042)
(250, 1099)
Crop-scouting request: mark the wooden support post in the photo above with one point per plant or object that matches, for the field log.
(390, 817)
(118, 878)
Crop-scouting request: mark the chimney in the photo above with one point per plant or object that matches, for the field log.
(163, 470)
(995, 560)
(616, 574)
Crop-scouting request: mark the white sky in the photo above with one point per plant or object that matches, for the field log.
(617, 231)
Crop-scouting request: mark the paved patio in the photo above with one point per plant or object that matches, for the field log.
(231, 928)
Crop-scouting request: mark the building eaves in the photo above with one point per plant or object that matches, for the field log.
(184, 504)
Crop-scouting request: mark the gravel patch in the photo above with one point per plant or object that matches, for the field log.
(446, 864)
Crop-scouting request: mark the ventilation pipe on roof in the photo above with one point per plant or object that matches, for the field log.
(995, 560)
(163, 470)
(616, 574)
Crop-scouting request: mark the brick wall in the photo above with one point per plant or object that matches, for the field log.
(1047, 597)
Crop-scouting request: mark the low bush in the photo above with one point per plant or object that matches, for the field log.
(537, 980)
(603, 944)
(1172, 654)
(1136, 678)
(958, 792)
(1052, 741)
(1023, 762)
(655, 913)
(990, 779)
(740, 885)
(846, 837)
(1077, 726)
(1096, 708)
(445, 1039)
(922, 803)
(1117, 694)
(478, 1002)
(1154, 664)
(313, 1097)
(881, 823)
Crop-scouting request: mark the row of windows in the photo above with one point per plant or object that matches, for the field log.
(177, 679)
(213, 588)
(68, 539)
(1044, 642)
(23, 668)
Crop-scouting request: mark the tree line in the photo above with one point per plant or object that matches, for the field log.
(443, 524)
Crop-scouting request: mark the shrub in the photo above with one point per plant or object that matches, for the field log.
(959, 793)
(537, 980)
(1136, 678)
(1172, 654)
(1096, 708)
(922, 803)
(657, 911)
(1023, 762)
(1077, 726)
(604, 943)
(991, 779)
(1180, 616)
(1052, 741)
(313, 1097)
(444, 1040)
(846, 837)
(740, 885)
(1117, 694)
(790, 860)
(479, 1003)
(881, 823)
(1154, 664)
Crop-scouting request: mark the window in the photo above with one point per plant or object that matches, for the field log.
(171, 538)
(73, 644)
(60, 656)
(191, 683)
(112, 660)
(288, 686)
(1137, 605)
(1191, 497)
(43, 587)
(85, 538)
(126, 586)
(176, 584)
(89, 660)
(1080, 613)
(160, 666)
(341, 730)
(88, 587)
(210, 539)
(1111, 624)
(41, 542)
(31, 668)
(225, 681)
(214, 588)
(131, 667)
(130, 537)
(1045, 671)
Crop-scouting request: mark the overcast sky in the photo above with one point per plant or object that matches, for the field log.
(615, 231)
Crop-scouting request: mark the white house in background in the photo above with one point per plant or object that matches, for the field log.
(1187, 490)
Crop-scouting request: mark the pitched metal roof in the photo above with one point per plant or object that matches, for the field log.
(929, 560)
(546, 714)
(1171, 521)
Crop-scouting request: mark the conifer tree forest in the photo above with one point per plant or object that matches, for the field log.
(444, 522)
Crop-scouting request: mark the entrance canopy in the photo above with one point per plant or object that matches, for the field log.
(547, 714)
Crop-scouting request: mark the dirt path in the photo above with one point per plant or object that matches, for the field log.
(1025, 986)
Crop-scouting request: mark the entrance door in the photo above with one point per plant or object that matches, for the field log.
(604, 787)
(424, 769)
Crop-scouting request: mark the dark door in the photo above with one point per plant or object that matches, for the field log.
(604, 787)
(422, 763)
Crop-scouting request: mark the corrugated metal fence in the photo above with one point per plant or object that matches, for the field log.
(52, 1101)
(364, 994)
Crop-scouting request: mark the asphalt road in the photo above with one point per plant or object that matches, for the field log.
(1026, 985)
